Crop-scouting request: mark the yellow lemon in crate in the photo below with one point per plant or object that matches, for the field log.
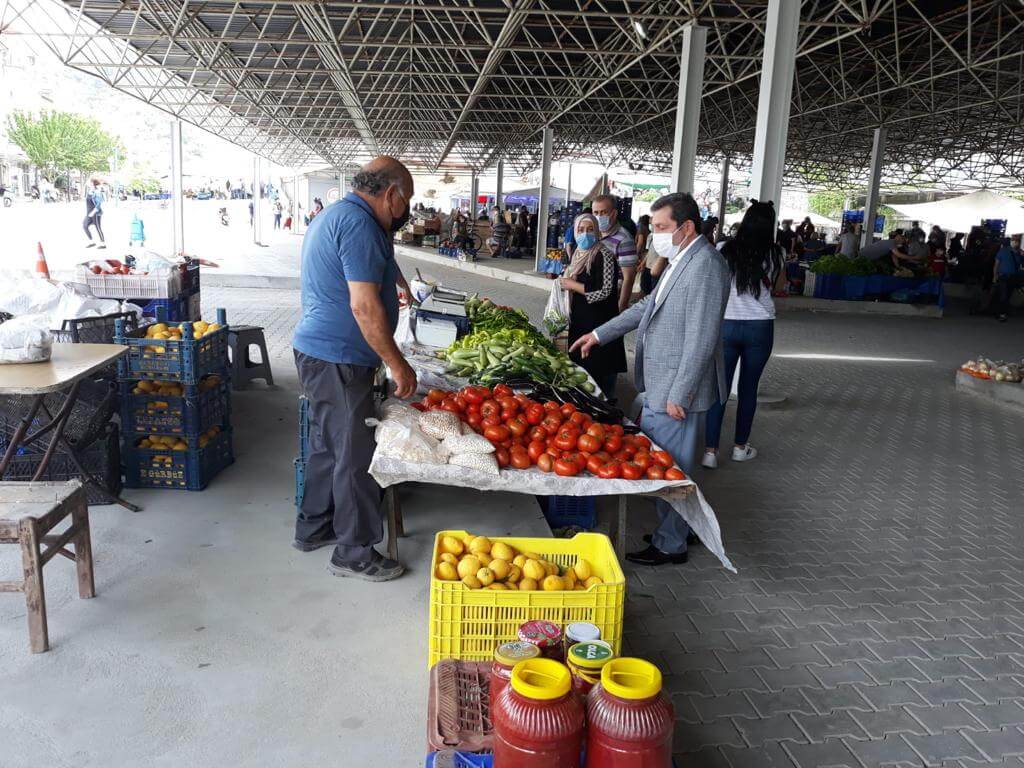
(448, 557)
(519, 560)
(447, 572)
(496, 585)
(551, 567)
(472, 582)
(569, 577)
(500, 568)
(480, 544)
(528, 585)
(452, 545)
(592, 581)
(468, 566)
(533, 569)
(511, 585)
(582, 569)
(515, 573)
(486, 576)
(502, 551)
(553, 584)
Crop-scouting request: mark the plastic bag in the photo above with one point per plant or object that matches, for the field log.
(25, 339)
(468, 443)
(485, 462)
(440, 424)
(401, 438)
(556, 314)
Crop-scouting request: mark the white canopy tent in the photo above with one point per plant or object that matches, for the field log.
(959, 214)
(819, 222)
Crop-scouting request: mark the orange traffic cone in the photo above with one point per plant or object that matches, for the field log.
(41, 266)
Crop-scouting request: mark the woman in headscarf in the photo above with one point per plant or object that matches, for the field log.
(590, 280)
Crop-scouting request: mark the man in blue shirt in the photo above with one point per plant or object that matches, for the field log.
(349, 314)
(1007, 276)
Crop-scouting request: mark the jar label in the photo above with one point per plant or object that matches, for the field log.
(542, 633)
(593, 652)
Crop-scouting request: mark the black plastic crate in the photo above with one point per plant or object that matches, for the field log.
(200, 407)
(94, 330)
(190, 470)
(102, 460)
(186, 361)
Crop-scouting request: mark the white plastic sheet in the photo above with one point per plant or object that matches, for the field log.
(684, 495)
(24, 293)
(25, 339)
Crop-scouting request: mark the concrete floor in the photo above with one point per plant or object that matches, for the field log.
(877, 617)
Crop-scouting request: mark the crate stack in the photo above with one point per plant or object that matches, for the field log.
(175, 405)
(175, 293)
(566, 216)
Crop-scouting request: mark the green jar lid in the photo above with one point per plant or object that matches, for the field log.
(590, 655)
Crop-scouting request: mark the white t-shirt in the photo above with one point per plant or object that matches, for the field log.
(746, 306)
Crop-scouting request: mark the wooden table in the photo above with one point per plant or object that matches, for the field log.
(68, 366)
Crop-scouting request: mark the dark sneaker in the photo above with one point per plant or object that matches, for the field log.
(378, 568)
(692, 539)
(311, 545)
(654, 556)
(91, 245)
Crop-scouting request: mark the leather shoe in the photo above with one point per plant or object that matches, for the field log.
(654, 556)
(692, 539)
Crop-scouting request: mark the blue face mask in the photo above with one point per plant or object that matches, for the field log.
(604, 222)
(586, 240)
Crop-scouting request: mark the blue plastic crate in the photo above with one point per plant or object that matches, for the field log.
(566, 511)
(174, 310)
(190, 470)
(303, 427)
(186, 361)
(459, 760)
(189, 415)
(300, 481)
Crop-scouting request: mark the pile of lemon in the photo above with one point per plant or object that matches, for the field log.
(172, 443)
(480, 563)
(164, 388)
(164, 332)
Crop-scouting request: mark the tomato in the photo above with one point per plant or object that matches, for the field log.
(537, 433)
(462, 402)
(662, 459)
(578, 418)
(631, 471)
(594, 464)
(451, 405)
(616, 428)
(473, 395)
(588, 444)
(498, 433)
(611, 470)
(675, 473)
(492, 421)
(598, 431)
(567, 409)
(545, 463)
(507, 414)
(502, 456)
(535, 449)
(576, 458)
(508, 404)
(437, 395)
(613, 443)
(621, 456)
(552, 423)
(517, 426)
(489, 408)
(656, 472)
(642, 441)
(630, 450)
(642, 459)
(566, 439)
(502, 390)
(551, 405)
(520, 459)
(534, 414)
(473, 408)
(603, 456)
(474, 420)
(419, 406)
(566, 468)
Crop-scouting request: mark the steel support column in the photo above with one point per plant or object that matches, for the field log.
(257, 200)
(474, 194)
(780, 45)
(874, 178)
(547, 136)
(342, 176)
(177, 190)
(568, 188)
(499, 184)
(723, 194)
(691, 83)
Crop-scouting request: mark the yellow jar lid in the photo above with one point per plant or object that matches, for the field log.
(541, 679)
(510, 654)
(631, 678)
(590, 655)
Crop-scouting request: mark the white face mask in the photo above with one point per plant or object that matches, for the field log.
(662, 243)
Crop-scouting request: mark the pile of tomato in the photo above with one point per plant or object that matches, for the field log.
(554, 437)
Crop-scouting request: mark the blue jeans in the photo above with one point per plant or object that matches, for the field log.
(750, 341)
(680, 439)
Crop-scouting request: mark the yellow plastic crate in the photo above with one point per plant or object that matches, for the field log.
(468, 624)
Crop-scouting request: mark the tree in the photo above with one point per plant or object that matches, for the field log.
(141, 177)
(828, 203)
(57, 142)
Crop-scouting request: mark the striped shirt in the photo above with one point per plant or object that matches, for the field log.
(621, 243)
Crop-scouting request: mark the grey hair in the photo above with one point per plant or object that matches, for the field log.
(375, 182)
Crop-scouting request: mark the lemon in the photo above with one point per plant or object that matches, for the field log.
(515, 573)
(519, 560)
(212, 327)
(480, 544)
(180, 446)
(553, 584)
(451, 544)
(528, 585)
(485, 576)
(532, 556)
(593, 580)
(483, 557)
(156, 328)
(468, 566)
(551, 567)
(472, 582)
(502, 551)
(500, 568)
(580, 588)
(534, 570)
(447, 572)
(511, 585)
(496, 585)
(569, 578)
(582, 568)
(446, 557)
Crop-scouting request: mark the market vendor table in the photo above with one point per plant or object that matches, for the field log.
(69, 365)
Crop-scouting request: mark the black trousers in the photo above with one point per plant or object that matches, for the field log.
(94, 221)
(1002, 289)
(340, 494)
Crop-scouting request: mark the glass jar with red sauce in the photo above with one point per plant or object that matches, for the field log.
(506, 656)
(538, 720)
(629, 718)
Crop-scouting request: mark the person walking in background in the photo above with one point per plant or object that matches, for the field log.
(618, 240)
(252, 212)
(350, 282)
(849, 241)
(748, 330)
(1007, 276)
(678, 364)
(94, 214)
(590, 280)
(278, 210)
(787, 237)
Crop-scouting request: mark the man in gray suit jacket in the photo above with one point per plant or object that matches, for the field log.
(679, 364)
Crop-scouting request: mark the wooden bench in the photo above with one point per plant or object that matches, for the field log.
(28, 514)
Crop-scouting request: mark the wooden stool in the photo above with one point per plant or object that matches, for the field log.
(28, 512)
(243, 369)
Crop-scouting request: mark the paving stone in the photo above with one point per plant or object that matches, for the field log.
(690, 662)
(949, 646)
(793, 677)
(707, 641)
(708, 757)
(944, 692)
(945, 718)
(740, 680)
(883, 672)
(999, 744)
(683, 704)
(691, 682)
(832, 700)
(837, 654)
(768, 729)
(893, 694)
(788, 701)
(897, 649)
(993, 716)
(999, 666)
(810, 617)
(945, 668)
(762, 638)
(798, 656)
(830, 754)
(729, 705)
(841, 674)
(736, 660)
(988, 647)
(692, 737)
(831, 726)
(997, 689)
(884, 753)
(887, 721)
(769, 755)
(946, 746)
